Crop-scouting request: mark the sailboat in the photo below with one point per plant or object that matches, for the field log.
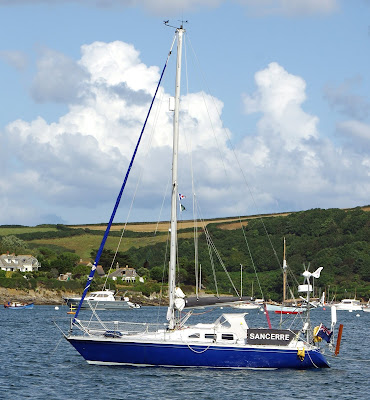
(228, 342)
(248, 304)
(285, 307)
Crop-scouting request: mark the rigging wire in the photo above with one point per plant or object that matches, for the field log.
(163, 274)
(209, 241)
(238, 162)
(253, 264)
(195, 222)
(118, 200)
(162, 206)
(149, 146)
(212, 246)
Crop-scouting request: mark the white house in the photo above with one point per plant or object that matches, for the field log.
(22, 263)
(126, 274)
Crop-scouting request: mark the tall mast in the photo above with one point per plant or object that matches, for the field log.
(284, 275)
(173, 249)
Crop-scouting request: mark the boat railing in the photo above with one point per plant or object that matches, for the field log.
(118, 328)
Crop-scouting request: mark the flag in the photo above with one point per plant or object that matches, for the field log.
(324, 333)
(181, 196)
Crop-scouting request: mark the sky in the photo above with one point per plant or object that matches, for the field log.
(276, 117)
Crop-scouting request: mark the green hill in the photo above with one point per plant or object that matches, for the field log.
(338, 240)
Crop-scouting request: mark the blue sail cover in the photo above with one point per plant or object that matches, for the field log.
(102, 244)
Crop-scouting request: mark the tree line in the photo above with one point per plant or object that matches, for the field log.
(335, 239)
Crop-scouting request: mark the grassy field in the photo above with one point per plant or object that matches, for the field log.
(164, 226)
(24, 229)
(83, 245)
(151, 226)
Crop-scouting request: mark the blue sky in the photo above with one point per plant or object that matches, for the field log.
(290, 79)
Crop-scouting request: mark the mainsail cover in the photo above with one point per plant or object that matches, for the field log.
(201, 302)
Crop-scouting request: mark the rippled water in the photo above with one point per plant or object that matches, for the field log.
(35, 363)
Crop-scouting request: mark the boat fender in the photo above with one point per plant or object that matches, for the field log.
(337, 347)
(133, 305)
(113, 334)
(315, 337)
(301, 353)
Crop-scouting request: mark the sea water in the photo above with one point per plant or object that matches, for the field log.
(36, 362)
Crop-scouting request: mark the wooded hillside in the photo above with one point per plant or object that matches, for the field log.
(338, 240)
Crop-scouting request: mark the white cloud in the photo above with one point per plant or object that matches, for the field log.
(356, 135)
(171, 8)
(290, 7)
(301, 169)
(16, 59)
(72, 169)
(342, 99)
(117, 62)
(81, 159)
(279, 97)
(158, 7)
(356, 128)
(58, 78)
(366, 164)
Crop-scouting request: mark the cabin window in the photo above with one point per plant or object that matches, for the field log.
(194, 336)
(227, 336)
(210, 336)
(224, 322)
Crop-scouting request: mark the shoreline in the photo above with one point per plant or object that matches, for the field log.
(55, 298)
(38, 297)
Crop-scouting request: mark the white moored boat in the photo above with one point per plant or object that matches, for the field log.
(281, 309)
(349, 305)
(101, 300)
(247, 305)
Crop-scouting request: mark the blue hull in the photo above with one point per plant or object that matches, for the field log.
(28, 306)
(177, 355)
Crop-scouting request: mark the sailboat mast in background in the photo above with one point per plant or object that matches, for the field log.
(285, 267)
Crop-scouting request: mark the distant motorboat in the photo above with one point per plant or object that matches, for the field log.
(246, 305)
(281, 309)
(101, 300)
(15, 305)
(366, 308)
(349, 305)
